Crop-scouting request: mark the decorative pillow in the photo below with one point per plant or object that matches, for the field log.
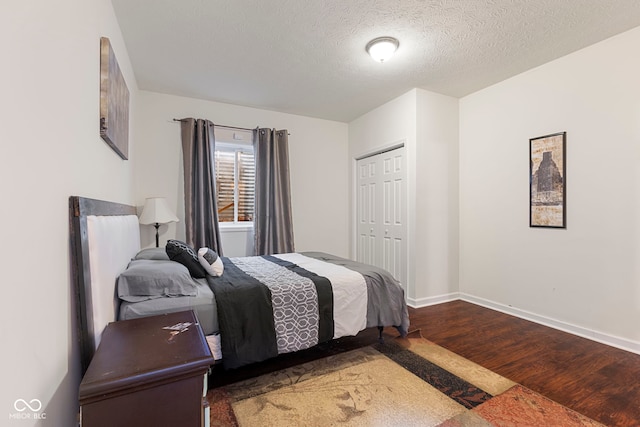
(180, 252)
(210, 261)
(149, 279)
(159, 254)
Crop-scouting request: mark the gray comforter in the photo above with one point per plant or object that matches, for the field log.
(248, 307)
(386, 302)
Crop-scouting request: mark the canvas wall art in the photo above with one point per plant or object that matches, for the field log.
(114, 102)
(547, 181)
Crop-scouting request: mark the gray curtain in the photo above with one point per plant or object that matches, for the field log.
(273, 225)
(200, 205)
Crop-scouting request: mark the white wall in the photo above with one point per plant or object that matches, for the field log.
(436, 198)
(428, 125)
(50, 149)
(586, 278)
(318, 163)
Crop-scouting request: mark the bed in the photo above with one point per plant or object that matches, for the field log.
(258, 307)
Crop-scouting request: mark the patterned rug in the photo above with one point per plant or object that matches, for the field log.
(403, 382)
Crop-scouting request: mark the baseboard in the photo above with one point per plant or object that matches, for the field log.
(610, 340)
(424, 302)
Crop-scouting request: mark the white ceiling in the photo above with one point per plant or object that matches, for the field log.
(307, 57)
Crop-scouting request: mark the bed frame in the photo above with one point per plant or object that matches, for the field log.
(92, 282)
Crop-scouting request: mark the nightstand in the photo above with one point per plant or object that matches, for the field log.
(150, 371)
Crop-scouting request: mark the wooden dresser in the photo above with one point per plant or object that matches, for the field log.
(150, 371)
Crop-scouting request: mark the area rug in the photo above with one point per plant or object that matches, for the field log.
(401, 382)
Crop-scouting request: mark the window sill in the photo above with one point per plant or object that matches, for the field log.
(231, 228)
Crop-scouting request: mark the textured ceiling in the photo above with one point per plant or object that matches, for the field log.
(307, 57)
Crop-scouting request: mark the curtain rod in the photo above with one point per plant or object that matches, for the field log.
(223, 126)
(229, 127)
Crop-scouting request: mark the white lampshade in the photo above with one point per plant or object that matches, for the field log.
(382, 48)
(156, 211)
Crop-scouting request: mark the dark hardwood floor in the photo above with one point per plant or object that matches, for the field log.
(596, 380)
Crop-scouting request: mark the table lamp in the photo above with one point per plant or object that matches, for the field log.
(156, 211)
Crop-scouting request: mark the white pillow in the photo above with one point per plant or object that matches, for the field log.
(210, 261)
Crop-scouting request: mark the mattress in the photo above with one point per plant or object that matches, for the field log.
(203, 305)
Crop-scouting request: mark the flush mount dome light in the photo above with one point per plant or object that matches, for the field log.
(382, 48)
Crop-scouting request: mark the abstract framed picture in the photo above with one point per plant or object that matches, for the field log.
(547, 181)
(114, 102)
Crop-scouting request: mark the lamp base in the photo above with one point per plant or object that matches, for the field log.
(157, 226)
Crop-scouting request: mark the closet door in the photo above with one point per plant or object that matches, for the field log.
(381, 212)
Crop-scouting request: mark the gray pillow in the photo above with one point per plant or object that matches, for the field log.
(148, 279)
(159, 254)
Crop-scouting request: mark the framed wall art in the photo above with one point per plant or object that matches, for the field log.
(547, 181)
(114, 102)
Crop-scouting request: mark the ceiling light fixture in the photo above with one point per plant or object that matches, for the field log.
(382, 48)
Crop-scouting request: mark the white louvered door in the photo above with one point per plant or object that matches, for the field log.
(381, 216)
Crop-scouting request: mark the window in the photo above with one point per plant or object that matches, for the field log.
(235, 182)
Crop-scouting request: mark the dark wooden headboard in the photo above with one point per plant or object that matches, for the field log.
(79, 209)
